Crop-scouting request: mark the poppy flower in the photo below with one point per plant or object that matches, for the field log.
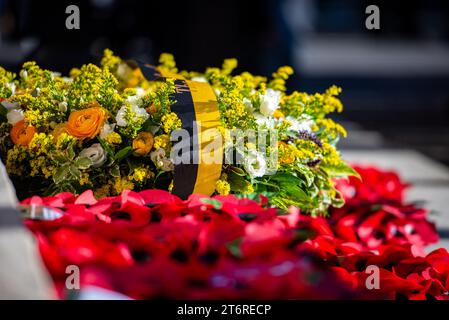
(152, 244)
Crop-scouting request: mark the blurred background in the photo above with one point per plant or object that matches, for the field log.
(395, 80)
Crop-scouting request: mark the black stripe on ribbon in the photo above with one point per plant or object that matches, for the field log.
(151, 73)
(185, 173)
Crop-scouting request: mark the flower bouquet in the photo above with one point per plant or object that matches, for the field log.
(127, 125)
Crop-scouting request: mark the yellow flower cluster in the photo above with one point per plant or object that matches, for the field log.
(15, 157)
(162, 141)
(280, 77)
(140, 175)
(103, 191)
(113, 138)
(84, 180)
(288, 153)
(228, 66)
(222, 187)
(249, 188)
(330, 155)
(330, 129)
(121, 184)
(167, 62)
(170, 122)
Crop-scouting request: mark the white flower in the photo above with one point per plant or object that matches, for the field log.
(265, 122)
(199, 79)
(248, 105)
(122, 70)
(217, 92)
(9, 105)
(137, 113)
(255, 164)
(297, 125)
(167, 165)
(14, 116)
(96, 154)
(63, 106)
(135, 99)
(11, 86)
(157, 155)
(270, 102)
(23, 74)
(162, 162)
(106, 130)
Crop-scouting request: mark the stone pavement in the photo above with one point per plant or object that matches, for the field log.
(429, 178)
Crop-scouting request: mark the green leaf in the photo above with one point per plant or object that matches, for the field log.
(61, 174)
(115, 171)
(83, 163)
(123, 153)
(133, 163)
(307, 173)
(74, 172)
(237, 182)
(290, 186)
(341, 170)
(284, 180)
(213, 202)
(238, 171)
(266, 183)
(150, 126)
(59, 158)
(296, 192)
(70, 152)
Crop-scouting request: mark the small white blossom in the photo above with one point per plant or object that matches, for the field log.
(122, 69)
(137, 113)
(248, 105)
(106, 130)
(63, 106)
(167, 165)
(157, 155)
(136, 98)
(96, 154)
(14, 116)
(9, 105)
(11, 86)
(161, 161)
(270, 102)
(255, 164)
(265, 122)
(23, 74)
(304, 124)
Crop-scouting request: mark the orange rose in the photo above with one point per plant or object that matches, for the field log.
(151, 109)
(86, 123)
(22, 134)
(143, 143)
